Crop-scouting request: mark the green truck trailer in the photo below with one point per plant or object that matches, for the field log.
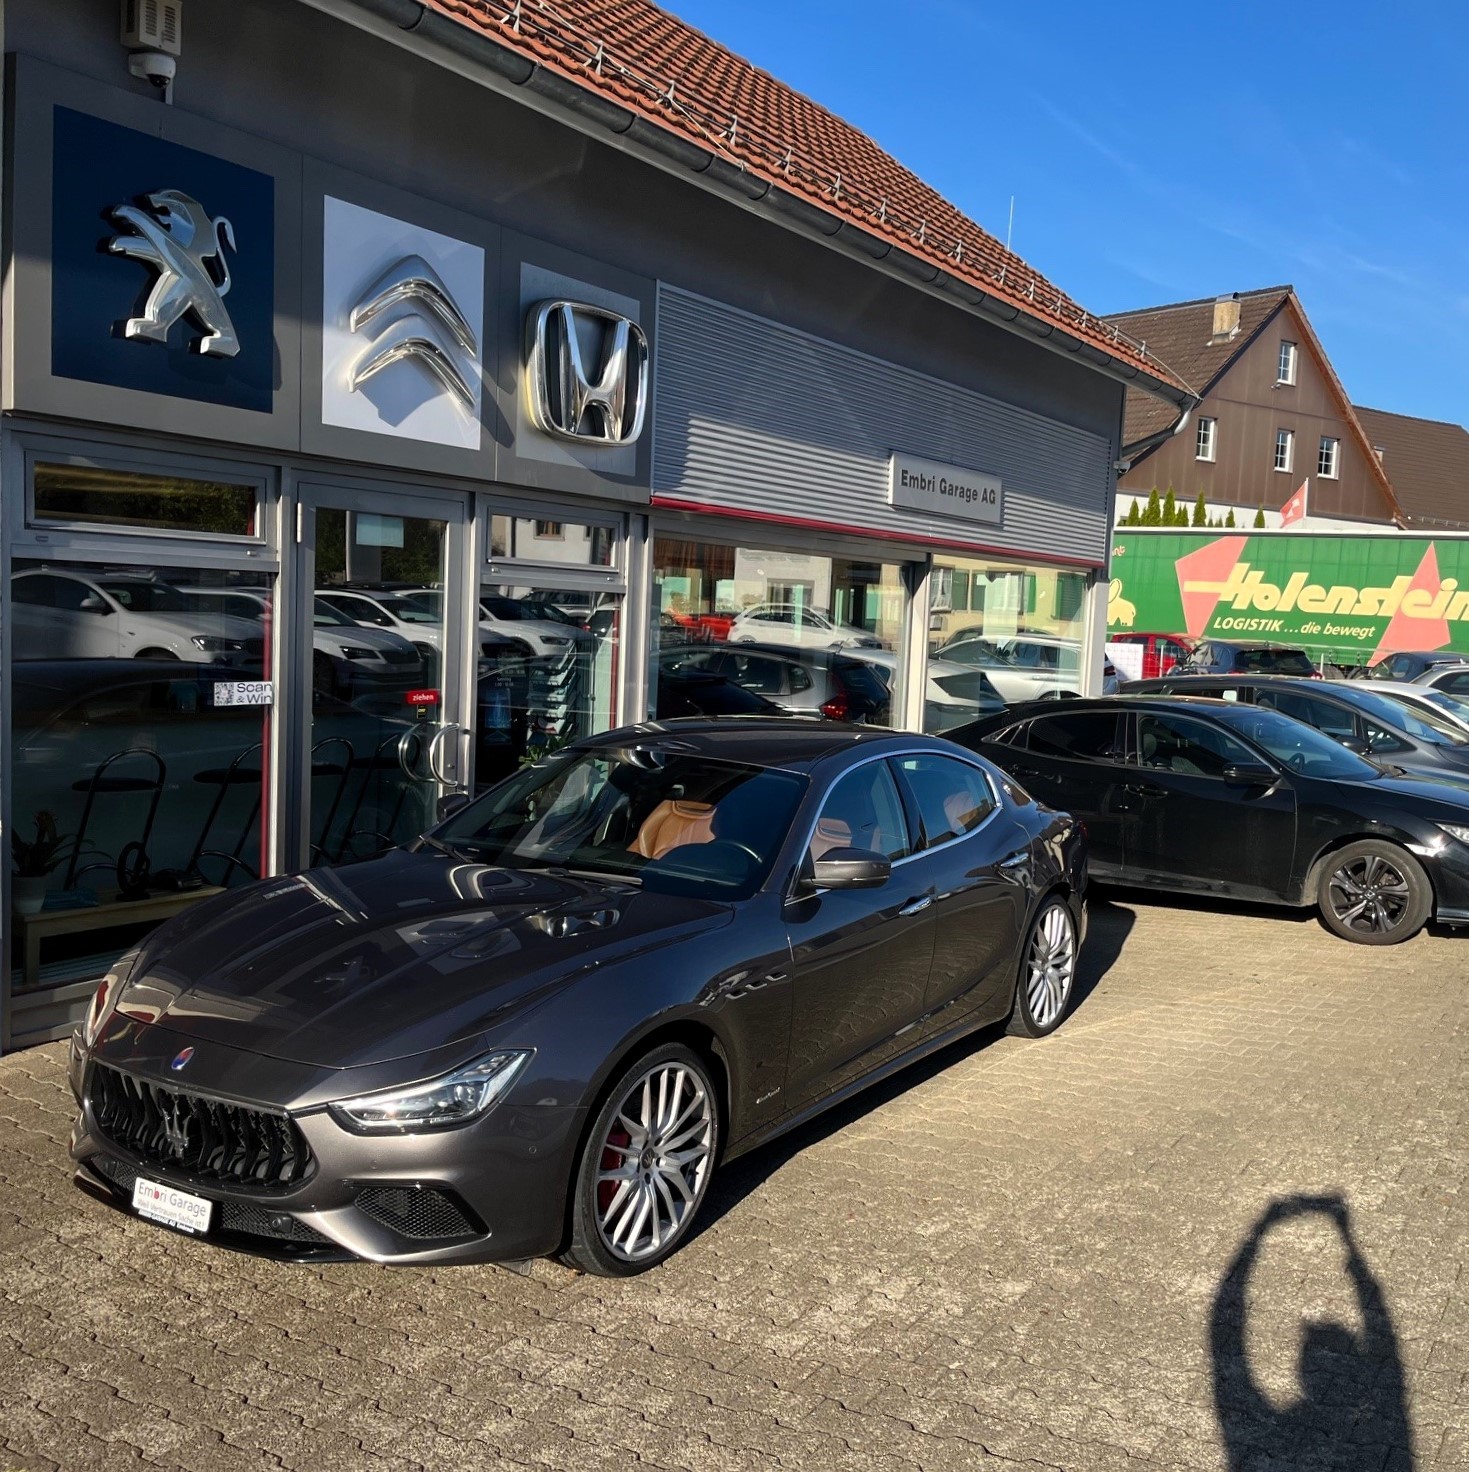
(1348, 599)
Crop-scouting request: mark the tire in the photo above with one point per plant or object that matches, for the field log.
(1046, 982)
(1374, 893)
(619, 1228)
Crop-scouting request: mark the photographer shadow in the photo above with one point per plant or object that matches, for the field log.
(1352, 1412)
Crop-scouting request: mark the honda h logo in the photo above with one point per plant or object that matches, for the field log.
(587, 370)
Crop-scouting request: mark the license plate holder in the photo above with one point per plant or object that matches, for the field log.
(170, 1207)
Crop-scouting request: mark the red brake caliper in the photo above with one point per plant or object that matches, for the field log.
(611, 1159)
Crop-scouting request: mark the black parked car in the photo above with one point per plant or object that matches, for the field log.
(1366, 719)
(1213, 797)
(1223, 657)
(539, 1027)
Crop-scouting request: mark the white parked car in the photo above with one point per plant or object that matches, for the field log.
(798, 627)
(1026, 666)
(1420, 695)
(345, 653)
(59, 614)
(395, 612)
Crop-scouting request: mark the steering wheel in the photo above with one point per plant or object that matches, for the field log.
(1297, 761)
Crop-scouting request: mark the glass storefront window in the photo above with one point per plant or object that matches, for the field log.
(548, 672)
(98, 496)
(528, 539)
(1000, 633)
(809, 634)
(137, 780)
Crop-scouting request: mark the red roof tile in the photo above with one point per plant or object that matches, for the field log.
(661, 68)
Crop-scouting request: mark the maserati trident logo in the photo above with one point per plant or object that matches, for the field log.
(181, 1060)
(430, 330)
(176, 1128)
(566, 399)
(176, 237)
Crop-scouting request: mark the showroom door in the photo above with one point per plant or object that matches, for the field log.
(382, 656)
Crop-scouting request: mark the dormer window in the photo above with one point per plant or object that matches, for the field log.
(1285, 373)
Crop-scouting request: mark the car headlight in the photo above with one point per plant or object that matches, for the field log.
(1456, 830)
(355, 651)
(214, 644)
(104, 999)
(455, 1099)
(554, 639)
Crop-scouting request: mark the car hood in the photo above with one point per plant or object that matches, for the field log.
(390, 958)
(364, 634)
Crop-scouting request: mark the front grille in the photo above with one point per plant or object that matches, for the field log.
(254, 647)
(204, 1139)
(244, 1217)
(402, 656)
(419, 1212)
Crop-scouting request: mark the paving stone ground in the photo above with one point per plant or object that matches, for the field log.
(1217, 1221)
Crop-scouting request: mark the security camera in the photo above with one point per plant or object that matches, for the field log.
(153, 66)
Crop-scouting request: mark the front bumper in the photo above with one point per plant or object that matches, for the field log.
(491, 1190)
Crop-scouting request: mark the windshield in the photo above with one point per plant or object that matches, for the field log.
(147, 597)
(323, 613)
(1454, 705)
(506, 608)
(1418, 722)
(676, 823)
(408, 610)
(1297, 746)
(1274, 662)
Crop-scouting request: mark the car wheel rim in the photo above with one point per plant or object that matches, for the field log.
(1050, 966)
(1369, 895)
(654, 1162)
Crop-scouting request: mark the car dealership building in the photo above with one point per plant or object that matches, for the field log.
(535, 342)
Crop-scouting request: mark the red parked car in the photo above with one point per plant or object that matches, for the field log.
(1160, 653)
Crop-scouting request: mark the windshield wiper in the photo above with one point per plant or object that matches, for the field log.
(448, 849)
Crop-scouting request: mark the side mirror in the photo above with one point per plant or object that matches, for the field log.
(1255, 775)
(1355, 743)
(93, 604)
(450, 804)
(851, 868)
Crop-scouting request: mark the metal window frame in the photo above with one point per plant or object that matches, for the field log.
(1289, 358)
(1335, 472)
(1212, 424)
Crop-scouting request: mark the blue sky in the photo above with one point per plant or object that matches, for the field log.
(1159, 153)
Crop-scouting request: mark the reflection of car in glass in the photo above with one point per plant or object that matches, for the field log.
(796, 625)
(1026, 666)
(393, 611)
(1228, 799)
(956, 693)
(540, 1027)
(703, 693)
(1219, 657)
(154, 723)
(809, 682)
(70, 615)
(511, 618)
(341, 661)
(1140, 656)
(1360, 714)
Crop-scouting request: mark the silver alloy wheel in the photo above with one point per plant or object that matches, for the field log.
(655, 1162)
(1369, 894)
(1051, 966)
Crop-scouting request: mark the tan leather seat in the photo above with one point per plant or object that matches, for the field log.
(672, 823)
(830, 833)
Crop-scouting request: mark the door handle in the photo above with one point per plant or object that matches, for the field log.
(409, 744)
(436, 753)
(1014, 862)
(1145, 789)
(914, 907)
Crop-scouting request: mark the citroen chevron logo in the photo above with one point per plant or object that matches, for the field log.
(565, 398)
(433, 333)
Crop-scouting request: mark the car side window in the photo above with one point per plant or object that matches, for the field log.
(1457, 684)
(38, 591)
(1326, 717)
(1168, 743)
(952, 797)
(863, 811)
(363, 611)
(800, 680)
(763, 676)
(1078, 736)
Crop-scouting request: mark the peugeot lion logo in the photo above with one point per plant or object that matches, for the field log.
(565, 399)
(176, 239)
(433, 332)
(181, 1060)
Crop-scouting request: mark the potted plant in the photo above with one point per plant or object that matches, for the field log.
(35, 858)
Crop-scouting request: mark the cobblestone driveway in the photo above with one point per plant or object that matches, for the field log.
(1054, 1254)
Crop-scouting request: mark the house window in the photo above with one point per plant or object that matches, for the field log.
(1204, 445)
(1286, 371)
(1285, 449)
(1326, 459)
(549, 531)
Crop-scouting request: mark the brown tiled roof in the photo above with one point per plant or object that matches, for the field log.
(1181, 334)
(662, 69)
(1427, 462)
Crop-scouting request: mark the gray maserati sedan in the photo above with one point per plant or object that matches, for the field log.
(539, 1027)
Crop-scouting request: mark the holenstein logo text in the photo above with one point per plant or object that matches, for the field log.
(1246, 589)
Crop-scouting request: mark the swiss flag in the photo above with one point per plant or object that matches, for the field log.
(1295, 508)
